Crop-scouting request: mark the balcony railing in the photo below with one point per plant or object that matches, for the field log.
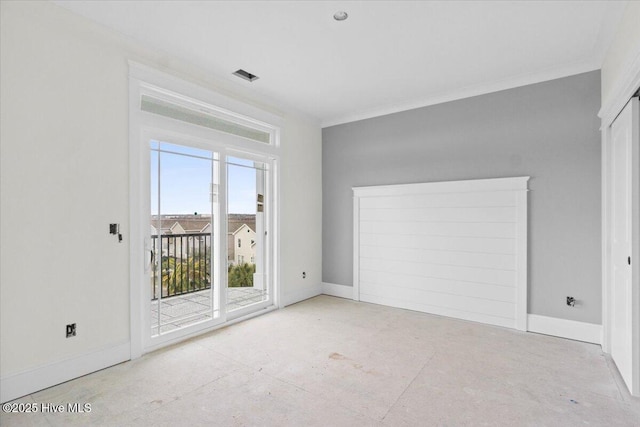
(184, 263)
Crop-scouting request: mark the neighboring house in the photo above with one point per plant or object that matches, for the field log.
(180, 244)
(182, 234)
(207, 229)
(179, 224)
(235, 222)
(244, 244)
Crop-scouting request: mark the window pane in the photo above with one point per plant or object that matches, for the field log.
(178, 112)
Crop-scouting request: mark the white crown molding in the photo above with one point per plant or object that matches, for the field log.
(468, 92)
(628, 83)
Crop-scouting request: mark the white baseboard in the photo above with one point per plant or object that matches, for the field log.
(579, 331)
(335, 290)
(301, 295)
(24, 383)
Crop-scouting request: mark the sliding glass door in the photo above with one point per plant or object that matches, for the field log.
(184, 275)
(203, 199)
(207, 238)
(247, 279)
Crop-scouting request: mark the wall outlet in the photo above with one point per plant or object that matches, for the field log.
(71, 330)
(304, 274)
(571, 301)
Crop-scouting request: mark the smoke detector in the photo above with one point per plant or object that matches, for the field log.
(340, 15)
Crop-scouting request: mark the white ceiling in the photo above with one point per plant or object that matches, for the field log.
(388, 56)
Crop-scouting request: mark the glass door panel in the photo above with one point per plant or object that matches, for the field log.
(183, 237)
(247, 279)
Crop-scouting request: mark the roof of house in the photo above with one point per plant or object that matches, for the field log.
(240, 228)
(238, 220)
(197, 223)
(192, 225)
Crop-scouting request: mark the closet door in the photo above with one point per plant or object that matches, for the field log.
(624, 136)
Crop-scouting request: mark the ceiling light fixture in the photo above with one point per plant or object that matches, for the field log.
(340, 15)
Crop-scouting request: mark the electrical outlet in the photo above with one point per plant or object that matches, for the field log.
(304, 275)
(71, 330)
(571, 301)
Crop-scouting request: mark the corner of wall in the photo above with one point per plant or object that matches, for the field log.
(301, 294)
(622, 57)
(335, 290)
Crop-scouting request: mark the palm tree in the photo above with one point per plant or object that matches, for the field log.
(185, 275)
(241, 275)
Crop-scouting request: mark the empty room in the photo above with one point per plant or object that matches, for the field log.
(331, 213)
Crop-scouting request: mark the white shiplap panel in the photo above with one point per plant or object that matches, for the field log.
(448, 301)
(502, 230)
(444, 200)
(467, 214)
(453, 272)
(428, 256)
(451, 248)
(421, 305)
(447, 286)
(462, 244)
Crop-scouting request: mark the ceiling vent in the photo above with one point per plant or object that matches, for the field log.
(246, 75)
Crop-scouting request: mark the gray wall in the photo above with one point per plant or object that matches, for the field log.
(548, 131)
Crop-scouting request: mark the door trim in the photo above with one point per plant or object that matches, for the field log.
(140, 79)
(626, 87)
(607, 265)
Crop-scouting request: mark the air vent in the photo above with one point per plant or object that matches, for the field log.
(246, 75)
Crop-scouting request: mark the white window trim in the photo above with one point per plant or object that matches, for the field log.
(141, 80)
(213, 110)
(162, 82)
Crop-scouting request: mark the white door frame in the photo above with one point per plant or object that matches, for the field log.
(140, 123)
(628, 85)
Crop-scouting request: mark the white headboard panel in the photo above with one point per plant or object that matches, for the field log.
(455, 248)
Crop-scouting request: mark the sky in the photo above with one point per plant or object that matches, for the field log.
(185, 180)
